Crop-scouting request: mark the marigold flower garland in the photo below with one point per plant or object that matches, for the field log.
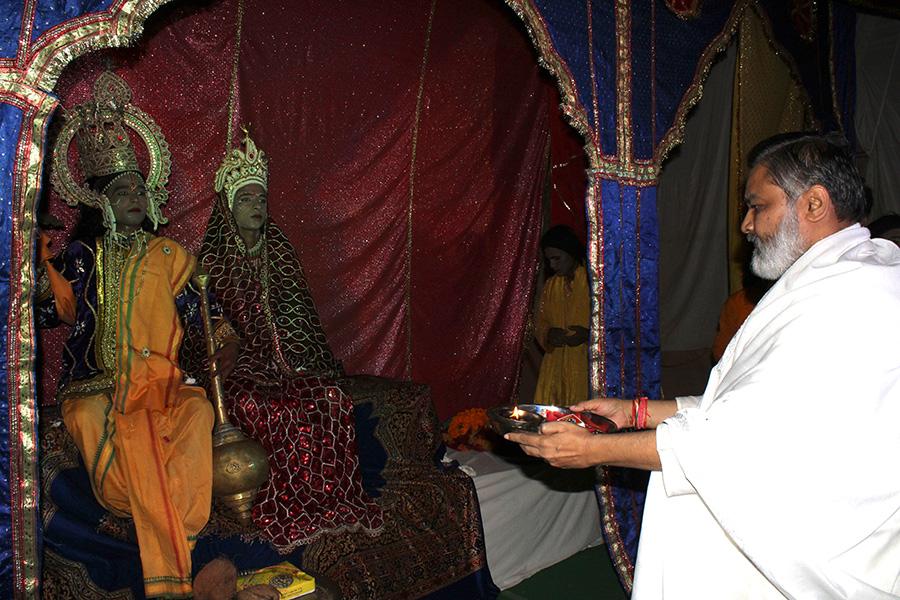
(470, 429)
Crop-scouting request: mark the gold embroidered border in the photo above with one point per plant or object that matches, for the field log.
(597, 347)
(675, 134)
(638, 172)
(594, 209)
(119, 26)
(23, 84)
(610, 526)
(23, 476)
(624, 133)
(28, 8)
(412, 181)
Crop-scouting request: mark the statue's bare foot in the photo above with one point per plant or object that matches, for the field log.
(259, 592)
(216, 581)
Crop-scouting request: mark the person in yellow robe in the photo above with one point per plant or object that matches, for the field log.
(563, 320)
(144, 434)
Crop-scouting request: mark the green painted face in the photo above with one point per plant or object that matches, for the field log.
(249, 208)
(128, 198)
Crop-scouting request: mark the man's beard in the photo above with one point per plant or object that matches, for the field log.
(773, 256)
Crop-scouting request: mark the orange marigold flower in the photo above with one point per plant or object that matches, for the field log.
(458, 428)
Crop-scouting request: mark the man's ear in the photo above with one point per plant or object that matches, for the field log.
(815, 204)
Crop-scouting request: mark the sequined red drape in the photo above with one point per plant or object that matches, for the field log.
(408, 144)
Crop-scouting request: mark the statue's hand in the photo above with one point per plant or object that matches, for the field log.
(225, 359)
(44, 253)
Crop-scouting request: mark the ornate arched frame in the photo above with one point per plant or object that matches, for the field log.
(26, 86)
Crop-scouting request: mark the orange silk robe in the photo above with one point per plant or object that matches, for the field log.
(146, 437)
(563, 378)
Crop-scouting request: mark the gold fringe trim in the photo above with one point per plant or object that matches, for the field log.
(53, 52)
(624, 133)
(610, 528)
(23, 477)
(597, 348)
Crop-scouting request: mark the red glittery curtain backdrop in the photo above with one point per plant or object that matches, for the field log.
(568, 173)
(408, 145)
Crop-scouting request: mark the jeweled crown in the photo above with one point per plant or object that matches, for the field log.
(99, 127)
(240, 168)
(103, 144)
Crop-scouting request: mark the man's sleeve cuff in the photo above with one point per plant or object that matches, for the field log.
(674, 480)
(684, 402)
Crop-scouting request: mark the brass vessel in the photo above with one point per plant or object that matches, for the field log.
(240, 465)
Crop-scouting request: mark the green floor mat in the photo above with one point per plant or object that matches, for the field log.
(588, 575)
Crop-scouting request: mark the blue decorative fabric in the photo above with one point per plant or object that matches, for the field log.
(10, 125)
(644, 59)
(631, 335)
(50, 13)
(630, 300)
(10, 27)
(666, 52)
(570, 29)
(678, 47)
(676, 50)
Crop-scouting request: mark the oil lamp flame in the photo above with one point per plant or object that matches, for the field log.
(516, 413)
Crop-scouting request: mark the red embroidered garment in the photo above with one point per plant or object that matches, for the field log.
(280, 392)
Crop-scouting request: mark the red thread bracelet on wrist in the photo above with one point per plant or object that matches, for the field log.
(643, 415)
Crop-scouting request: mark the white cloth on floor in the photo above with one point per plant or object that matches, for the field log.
(534, 515)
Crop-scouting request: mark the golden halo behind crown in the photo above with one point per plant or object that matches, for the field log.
(104, 147)
(241, 168)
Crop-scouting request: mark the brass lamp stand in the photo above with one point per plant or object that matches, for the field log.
(240, 466)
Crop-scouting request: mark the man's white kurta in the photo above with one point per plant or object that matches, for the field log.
(783, 479)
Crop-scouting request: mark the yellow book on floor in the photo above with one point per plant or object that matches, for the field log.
(290, 581)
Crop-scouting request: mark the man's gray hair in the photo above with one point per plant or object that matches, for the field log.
(798, 161)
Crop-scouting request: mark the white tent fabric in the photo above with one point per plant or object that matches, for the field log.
(693, 220)
(693, 216)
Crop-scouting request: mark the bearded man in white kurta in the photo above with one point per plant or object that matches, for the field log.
(782, 479)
